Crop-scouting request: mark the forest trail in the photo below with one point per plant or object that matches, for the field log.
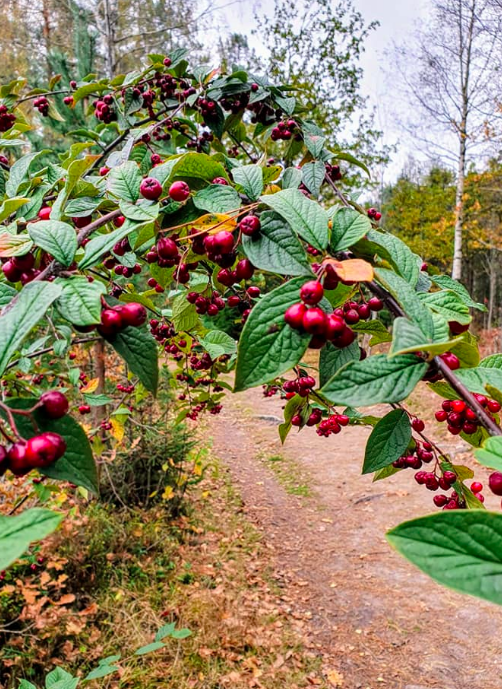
(377, 620)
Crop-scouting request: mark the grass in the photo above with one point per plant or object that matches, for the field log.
(290, 475)
(128, 573)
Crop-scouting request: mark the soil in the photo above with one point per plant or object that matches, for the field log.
(376, 620)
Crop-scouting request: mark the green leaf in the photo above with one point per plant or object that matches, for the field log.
(466, 349)
(15, 244)
(409, 300)
(388, 441)
(83, 206)
(142, 212)
(165, 630)
(181, 633)
(250, 180)
(292, 178)
(217, 198)
(139, 350)
(10, 206)
(492, 361)
(490, 454)
(22, 314)
(446, 282)
(102, 243)
(267, 346)
(349, 226)
(448, 304)
(276, 249)
(59, 239)
(7, 294)
(163, 171)
(407, 337)
(101, 671)
(476, 379)
(185, 317)
(24, 684)
(374, 380)
(332, 359)
(124, 181)
(459, 549)
(385, 473)
(352, 160)
(314, 143)
(292, 406)
(217, 343)
(149, 648)
(94, 400)
(313, 176)
(77, 464)
(398, 253)
(19, 172)
(286, 103)
(89, 89)
(307, 218)
(375, 328)
(80, 300)
(60, 679)
(198, 166)
(18, 531)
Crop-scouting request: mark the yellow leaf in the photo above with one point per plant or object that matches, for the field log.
(271, 189)
(168, 493)
(117, 429)
(91, 386)
(215, 222)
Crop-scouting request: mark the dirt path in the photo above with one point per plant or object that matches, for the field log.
(377, 620)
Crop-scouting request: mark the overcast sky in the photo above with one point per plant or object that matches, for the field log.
(397, 18)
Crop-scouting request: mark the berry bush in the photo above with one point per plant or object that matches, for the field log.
(199, 221)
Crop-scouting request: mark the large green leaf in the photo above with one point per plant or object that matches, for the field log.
(267, 346)
(142, 211)
(388, 441)
(476, 379)
(250, 180)
(22, 314)
(59, 239)
(139, 350)
(80, 300)
(10, 206)
(408, 337)
(446, 282)
(19, 172)
(492, 361)
(276, 249)
(374, 380)
(198, 166)
(17, 532)
(490, 454)
(313, 176)
(307, 218)
(332, 359)
(448, 304)
(124, 181)
(375, 328)
(398, 253)
(460, 549)
(77, 464)
(217, 198)
(409, 300)
(349, 226)
(7, 294)
(217, 343)
(185, 316)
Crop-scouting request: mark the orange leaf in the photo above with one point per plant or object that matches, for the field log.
(13, 245)
(91, 386)
(353, 270)
(64, 600)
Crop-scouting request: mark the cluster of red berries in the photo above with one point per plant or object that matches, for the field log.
(201, 143)
(128, 389)
(451, 360)
(460, 418)
(285, 131)
(270, 390)
(106, 426)
(114, 319)
(206, 305)
(374, 214)
(352, 311)
(20, 269)
(84, 409)
(334, 172)
(307, 317)
(7, 119)
(302, 386)
(42, 105)
(104, 110)
(333, 424)
(68, 100)
(413, 459)
(42, 450)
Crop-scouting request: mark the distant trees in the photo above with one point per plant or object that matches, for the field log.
(452, 73)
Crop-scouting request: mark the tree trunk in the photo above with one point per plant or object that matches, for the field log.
(109, 38)
(459, 210)
(100, 371)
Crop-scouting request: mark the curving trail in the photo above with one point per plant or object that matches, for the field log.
(376, 620)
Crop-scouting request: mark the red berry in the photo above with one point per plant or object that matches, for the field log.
(296, 420)
(111, 322)
(244, 270)
(476, 487)
(375, 304)
(250, 225)
(11, 272)
(458, 406)
(253, 291)
(458, 328)
(335, 326)
(167, 248)
(179, 191)
(150, 188)
(41, 451)
(234, 300)
(418, 425)
(440, 500)
(364, 311)
(84, 409)
(223, 242)
(493, 406)
(45, 213)
(346, 338)
(103, 171)
(450, 477)
(451, 360)
(133, 314)
(119, 220)
(220, 180)
(294, 315)
(16, 457)
(314, 321)
(82, 221)
(495, 482)
(311, 292)
(24, 263)
(55, 404)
